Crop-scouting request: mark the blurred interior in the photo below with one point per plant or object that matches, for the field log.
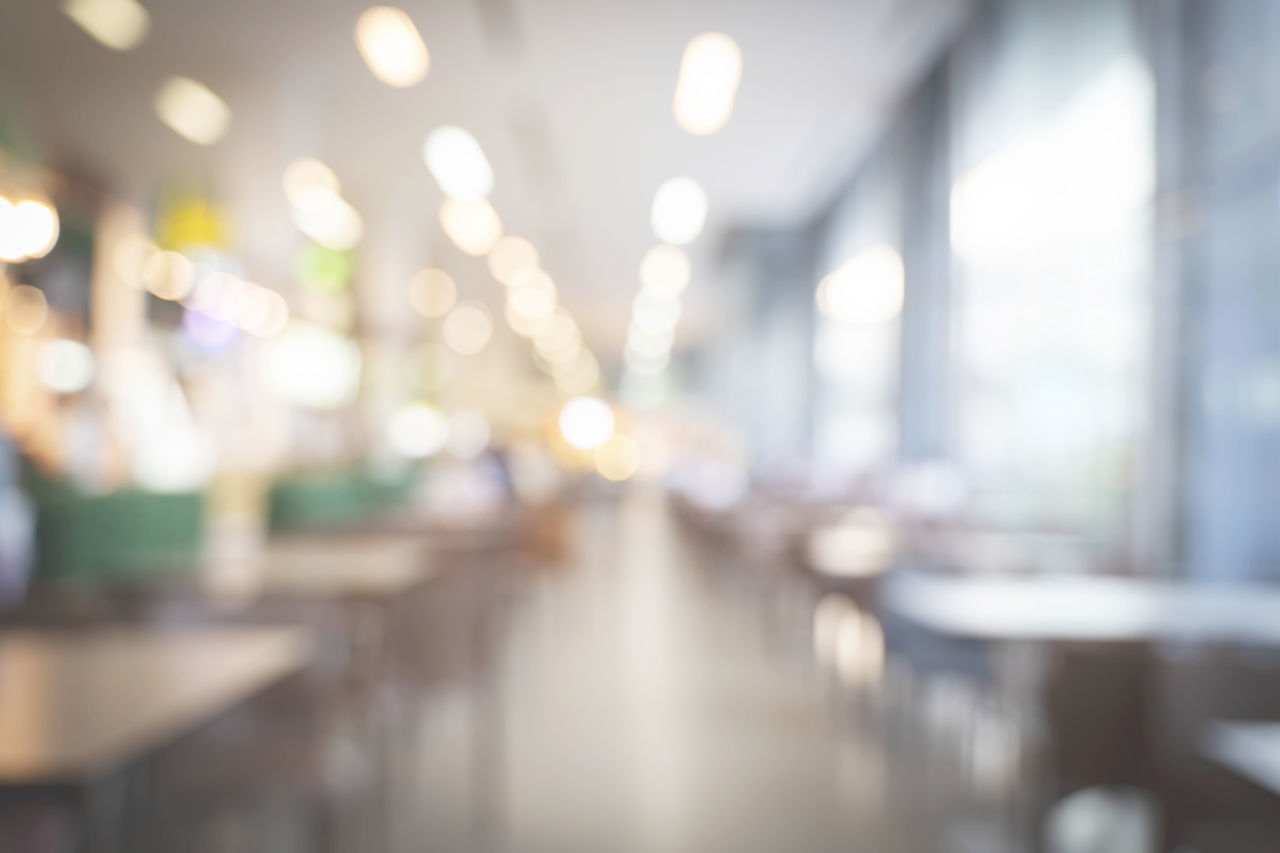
(519, 427)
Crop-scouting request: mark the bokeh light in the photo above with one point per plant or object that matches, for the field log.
(586, 422)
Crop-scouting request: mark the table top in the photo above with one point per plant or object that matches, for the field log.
(1086, 608)
(78, 703)
(326, 567)
(1249, 749)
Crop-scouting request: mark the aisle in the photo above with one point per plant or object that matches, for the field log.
(645, 712)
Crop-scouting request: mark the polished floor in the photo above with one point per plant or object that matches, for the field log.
(646, 704)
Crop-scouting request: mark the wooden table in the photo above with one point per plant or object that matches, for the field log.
(82, 712)
(1251, 750)
(75, 705)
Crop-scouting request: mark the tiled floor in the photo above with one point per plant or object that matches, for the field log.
(644, 710)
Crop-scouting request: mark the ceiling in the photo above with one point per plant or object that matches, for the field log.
(570, 99)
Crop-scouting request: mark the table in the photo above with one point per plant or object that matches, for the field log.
(1251, 750)
(75, 705)
(324, 567)
(1086, 608)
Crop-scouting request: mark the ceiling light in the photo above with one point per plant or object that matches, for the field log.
(866, 289)
(618, 458)
(467, 328)
(418, 431)
(458, 164)
(665, 270)
(28, 229)
(117, 24)
(64, 366)
(709, 75)
(25, 309)
(586, 422)
(327, 218)
(473, 226)
(307, 174)
(679, 211)
(192, 111)
(512, 258)
(432, 292)
(391, 46)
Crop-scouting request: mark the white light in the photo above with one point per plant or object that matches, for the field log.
(559, 335)
(512, 258)
(586, 422)
(117, 24)
(192, 111)
(65, 366)
(646, 365)
(527, 326)
(866, 289)
(531, 304)
(580, 375)
(418, 431)
(708, 83)
(169, 275)
(665, 271)
(28, 229)
(650, 345)
(679, 211)
(473, 226)
(327, 218)
(458, 164)
(391, 47)
(265, 312)
(467, 328)
(468, 434)
(308, 174)
(432, 292)
(654, 314)
(312, 367)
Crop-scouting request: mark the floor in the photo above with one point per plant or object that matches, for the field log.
(646, 708)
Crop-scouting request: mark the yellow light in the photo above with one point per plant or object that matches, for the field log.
(866, 289)
(432, 292)
(28, 229)
(169, 275)
(665, 271)
(586, 422)
(679, 211)
(327, 218)
(531, 304)
(117, 24)
(308, 174)
(391, 46)
(192, 111)
(26, 309)
(708, 82)
(468, 328)
(512, 258)
(473, 226)
(130, 257)
(524, 325)
(458, 164)
(618, 459)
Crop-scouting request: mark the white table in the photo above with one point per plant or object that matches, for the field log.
(1086, 608)
(1250, 749)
